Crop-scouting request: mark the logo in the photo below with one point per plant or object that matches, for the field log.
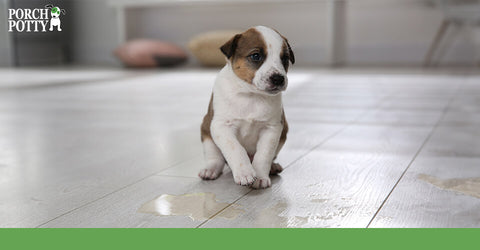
(35, 20)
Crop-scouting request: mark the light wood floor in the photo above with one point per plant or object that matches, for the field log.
(88, 148)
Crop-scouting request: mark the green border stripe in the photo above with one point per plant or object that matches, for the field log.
(294, 239)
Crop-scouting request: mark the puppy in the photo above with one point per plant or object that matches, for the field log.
(245, 125)
(55, 13)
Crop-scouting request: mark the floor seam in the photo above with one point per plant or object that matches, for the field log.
(178, 163)
(176, 176)
(223, 209)
(415, 156)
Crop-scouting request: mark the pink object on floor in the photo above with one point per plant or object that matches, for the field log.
(150, 53)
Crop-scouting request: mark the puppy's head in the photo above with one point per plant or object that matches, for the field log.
(260, 56)
(55, 10)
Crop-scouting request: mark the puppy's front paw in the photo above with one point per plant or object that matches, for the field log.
(245, 177)
(262, 183)
(209, 174)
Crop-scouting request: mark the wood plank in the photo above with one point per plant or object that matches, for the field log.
(324, 189)
(379, 139)
(402, 117)
(461, 141)
(121, 209)
(301, 139)
(418, 203)
(68, 146)
(37, 77)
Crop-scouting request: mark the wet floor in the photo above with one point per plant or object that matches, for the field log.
(103, 148)
(197, 206)
(467, 186)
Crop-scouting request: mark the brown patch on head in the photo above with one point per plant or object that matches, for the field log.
(246, 52)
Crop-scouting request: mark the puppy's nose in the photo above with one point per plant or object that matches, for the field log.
(277, 79)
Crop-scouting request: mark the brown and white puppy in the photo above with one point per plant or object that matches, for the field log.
(245, 126)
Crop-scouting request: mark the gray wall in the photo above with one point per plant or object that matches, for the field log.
(94, 36)
(5, 36)
(380, 32)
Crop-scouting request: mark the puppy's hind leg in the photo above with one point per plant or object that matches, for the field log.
(275, 168)
(214, 159)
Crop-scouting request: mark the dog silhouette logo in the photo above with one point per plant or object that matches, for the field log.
(55, 12)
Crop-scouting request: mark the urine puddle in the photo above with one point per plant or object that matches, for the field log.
(270, 217)
(468, 186)
(198, 206)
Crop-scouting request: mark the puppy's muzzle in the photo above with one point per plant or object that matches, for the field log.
(277, 80)
(277, 83)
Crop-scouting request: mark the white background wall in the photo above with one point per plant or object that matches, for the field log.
(380, 32)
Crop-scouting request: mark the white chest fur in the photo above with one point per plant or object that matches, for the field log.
(245, 112)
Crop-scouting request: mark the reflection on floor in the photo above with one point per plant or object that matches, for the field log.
(83, 148)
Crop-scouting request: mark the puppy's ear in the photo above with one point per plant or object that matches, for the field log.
(63, 11)
(228, 49)
(290, 52)
(48, 6)
(291, 56)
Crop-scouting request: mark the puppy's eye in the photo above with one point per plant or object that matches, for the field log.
(256, 57)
